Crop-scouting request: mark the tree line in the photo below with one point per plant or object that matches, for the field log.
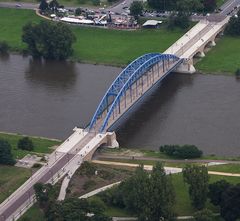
(6, 156)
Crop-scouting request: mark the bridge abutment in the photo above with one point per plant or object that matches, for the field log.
(186, 67)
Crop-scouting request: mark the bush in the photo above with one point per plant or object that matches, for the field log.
(204, 215)
(88, 169)
(89, 184)
(4, 47)
(6, 156)
(183, 152)
(25, 144)
(37, 165)
(106, 175)
(237, 73)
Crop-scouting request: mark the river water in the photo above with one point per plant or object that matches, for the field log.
(49, 99)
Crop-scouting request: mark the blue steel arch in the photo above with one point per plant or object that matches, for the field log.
(124, 80)
(117, 85)
(136, 75)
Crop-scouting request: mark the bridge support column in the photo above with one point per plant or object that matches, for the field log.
(201, 54)
(186, 67)
(112, 140)
(212, 43)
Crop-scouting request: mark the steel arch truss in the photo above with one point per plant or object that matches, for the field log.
(123, 82)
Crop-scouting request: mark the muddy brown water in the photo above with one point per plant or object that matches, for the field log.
(50, 98)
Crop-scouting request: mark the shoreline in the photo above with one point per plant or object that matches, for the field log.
(25, 135)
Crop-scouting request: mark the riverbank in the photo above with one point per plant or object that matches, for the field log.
(111, 173)
(93, 45)
(41, 145)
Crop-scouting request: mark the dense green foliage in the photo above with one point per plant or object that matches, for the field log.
(136, 9)
(197, 179)
(6, 156)
(77, 209)
(237, 73)
(4, 47)
(204, 215)
(187, 6)
(229, 206)
(215, 191)
(183, 152)
(180, 20)
(25, 143)
(69, 209)
(88, 169)
(233, 27)
(43, 5)
(49, 40)
(149, 196)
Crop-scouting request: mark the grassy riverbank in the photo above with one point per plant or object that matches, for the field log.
(115, 47)
(11, 178)
(94, 45)
(41, 145)
(223, 58)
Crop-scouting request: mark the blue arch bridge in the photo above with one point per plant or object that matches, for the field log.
(131, 85)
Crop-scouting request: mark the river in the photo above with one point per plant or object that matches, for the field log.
(50, 98)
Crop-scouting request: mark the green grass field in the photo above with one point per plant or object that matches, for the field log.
(227, 168)
(183, 205)
(223, 58)
(11, 178)
(35, 212)
(40, 145)
(93, 45)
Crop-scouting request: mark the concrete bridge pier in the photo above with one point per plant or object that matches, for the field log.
(186, 67)
(212, 43)
(112, 140)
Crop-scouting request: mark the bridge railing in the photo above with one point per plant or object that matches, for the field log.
(137, 74)
(116, 86)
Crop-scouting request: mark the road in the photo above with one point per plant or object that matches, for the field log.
(58, 161)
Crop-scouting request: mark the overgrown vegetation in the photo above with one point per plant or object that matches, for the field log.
(49, 40)
(233, 26)
(4, 47)
(149, 196)
(25, 143)
(6, 156)
(182, 152)
(69, 209)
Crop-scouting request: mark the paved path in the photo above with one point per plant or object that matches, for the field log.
(168, 170)
(94, 192)
(114, 156)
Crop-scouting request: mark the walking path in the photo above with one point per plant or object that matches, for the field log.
(167, 169)
(114, 156)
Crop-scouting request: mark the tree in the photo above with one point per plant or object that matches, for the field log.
(42, 192)
(183, 152)
(49, 40)
(204, 215)
(25, 144)
(53, 5)
(197, 178)
(237, 73)
(229, 207)
(78, 11)
(150, 196)
(77, 209)
(136, 9)
(216, 190)
(43, 5)
(189, 6)
(4, 47)
(162, 5)
(209, 5)
(6, 156)
(233, 26)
